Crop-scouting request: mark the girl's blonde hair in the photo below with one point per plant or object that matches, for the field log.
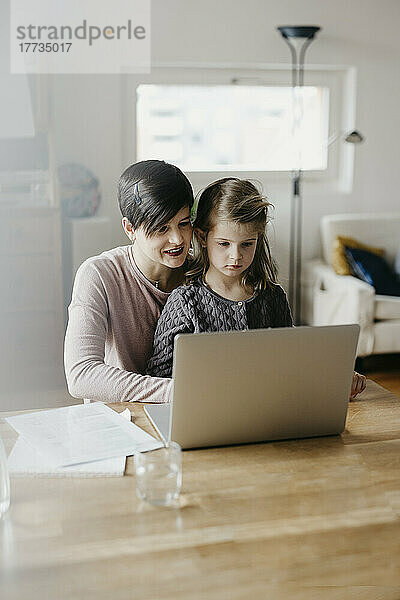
(238, 201)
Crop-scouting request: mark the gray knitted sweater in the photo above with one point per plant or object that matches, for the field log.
(197, 309)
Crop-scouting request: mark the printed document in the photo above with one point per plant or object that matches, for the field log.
(24, 460)
(77, 434)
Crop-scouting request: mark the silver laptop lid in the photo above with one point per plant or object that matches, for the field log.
(249, 386)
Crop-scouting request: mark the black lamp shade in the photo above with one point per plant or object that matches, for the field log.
(354, 137)
(298, 31)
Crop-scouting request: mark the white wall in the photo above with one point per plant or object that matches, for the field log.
(361, 33)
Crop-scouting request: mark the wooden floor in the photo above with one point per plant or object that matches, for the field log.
(384, 369)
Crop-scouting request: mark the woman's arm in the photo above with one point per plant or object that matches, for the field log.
(86, 372)
(174, 319)
(358, 384)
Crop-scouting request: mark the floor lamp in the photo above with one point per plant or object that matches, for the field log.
(298, 39)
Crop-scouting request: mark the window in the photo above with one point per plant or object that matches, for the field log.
(233, 127)
(221, 119)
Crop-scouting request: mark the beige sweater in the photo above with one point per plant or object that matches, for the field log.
(109, 339)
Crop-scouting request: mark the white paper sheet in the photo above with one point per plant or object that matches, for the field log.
(77, 434)
(25, 460)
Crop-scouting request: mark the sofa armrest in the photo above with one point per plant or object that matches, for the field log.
(321, 271)
(338, 300)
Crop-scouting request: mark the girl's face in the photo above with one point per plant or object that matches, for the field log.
(169, 245)
(230, 247)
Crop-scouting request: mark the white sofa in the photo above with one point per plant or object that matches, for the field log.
(331, 299)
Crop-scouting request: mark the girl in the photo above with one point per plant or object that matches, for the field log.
(232, 281)
(118, 296)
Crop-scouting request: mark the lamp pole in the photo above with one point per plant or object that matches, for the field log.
(298, 39)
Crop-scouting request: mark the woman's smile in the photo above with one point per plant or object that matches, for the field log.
(175, 252)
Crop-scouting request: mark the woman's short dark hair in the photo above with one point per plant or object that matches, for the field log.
(151, 193)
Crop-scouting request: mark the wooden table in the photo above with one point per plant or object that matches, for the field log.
(308, 519)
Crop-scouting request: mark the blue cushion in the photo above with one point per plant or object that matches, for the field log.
(374, 270)
(397, 262)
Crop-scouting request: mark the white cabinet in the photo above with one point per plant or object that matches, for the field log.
(31, 302)
(82, 238)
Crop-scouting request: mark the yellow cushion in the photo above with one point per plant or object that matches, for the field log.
(339, 260)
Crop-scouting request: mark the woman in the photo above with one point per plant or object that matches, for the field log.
(118, 295)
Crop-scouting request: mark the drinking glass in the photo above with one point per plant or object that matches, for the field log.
(159, 474)
(4, 481)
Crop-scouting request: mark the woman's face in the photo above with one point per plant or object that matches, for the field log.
(169, 245)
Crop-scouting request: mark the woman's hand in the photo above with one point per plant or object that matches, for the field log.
(358, 384)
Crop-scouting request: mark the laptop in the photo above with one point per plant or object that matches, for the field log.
(254, 386)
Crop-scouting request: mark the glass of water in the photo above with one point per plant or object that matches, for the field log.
(4, 481)
(159, 474)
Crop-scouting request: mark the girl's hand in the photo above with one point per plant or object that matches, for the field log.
(358, 384)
